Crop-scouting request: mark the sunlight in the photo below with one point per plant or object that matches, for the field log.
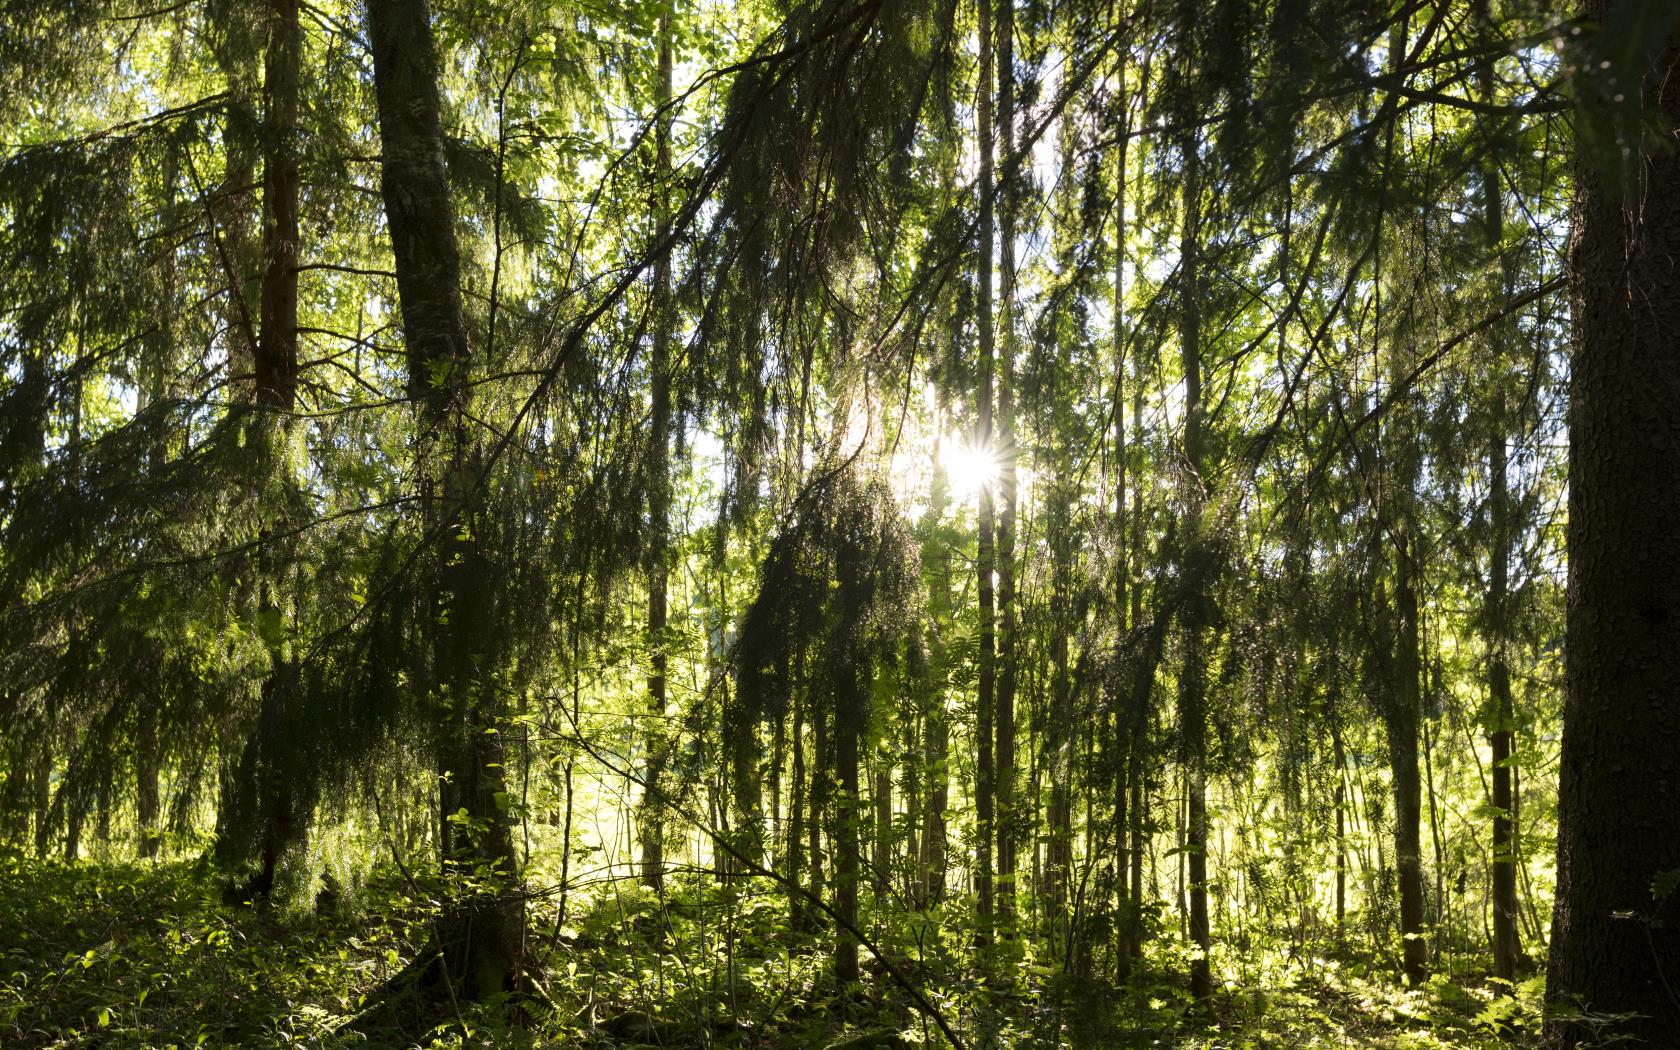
(969, 465)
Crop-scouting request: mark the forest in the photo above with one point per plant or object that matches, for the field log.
(839, 523)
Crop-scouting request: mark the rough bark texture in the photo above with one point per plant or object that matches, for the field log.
(1619, 778)
(481, 940)
(276, 359)
(418, 208)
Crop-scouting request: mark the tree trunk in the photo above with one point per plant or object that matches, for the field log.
(481, 939)
(1124, 759)
(936, 727)
(1619, 777)
(1401, 724)
(1137, 760)
(146, 769)
(1501, 716)
(276, 358)
(1341, 829)
(1058, 731)
(821, 789)
(985, 555)
(797, 796)
(882, 796)
(275, 393)
(659, 492)
(848, 718)
(1507, 947)
(1192, 684)
(1007, 819)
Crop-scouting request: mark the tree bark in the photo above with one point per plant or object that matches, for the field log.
(1005, 452)
(1192, 684)
(274, 393)
(1614, 947)
(481, 939)
(276, 358)
(985, 554)
(1401, 723)
(848, 718)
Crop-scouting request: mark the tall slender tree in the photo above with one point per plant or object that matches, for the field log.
(1192, 674)
(1501, 715)
(481, 941)
(1007, 452)
(659, 479)
(985, 785)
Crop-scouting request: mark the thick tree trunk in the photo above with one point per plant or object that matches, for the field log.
(481, 940)
(1614, 947)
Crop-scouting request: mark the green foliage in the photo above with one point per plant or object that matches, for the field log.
(397, 634)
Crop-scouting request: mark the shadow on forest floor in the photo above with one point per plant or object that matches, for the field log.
(134, 955)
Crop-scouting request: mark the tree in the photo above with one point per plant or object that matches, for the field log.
(1192, 674)
(1612, 953)
(986, 777)
(659, 483)
(481, 942)
(1504, 847)
(1004, 447)
(479, 480)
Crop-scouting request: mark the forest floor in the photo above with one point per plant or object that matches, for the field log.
(139, 955)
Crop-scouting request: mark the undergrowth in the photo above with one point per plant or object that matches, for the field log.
(136, 955)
